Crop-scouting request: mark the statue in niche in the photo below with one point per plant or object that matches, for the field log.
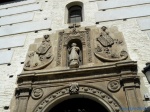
(74, 56)
(41, 57)
(111, 46)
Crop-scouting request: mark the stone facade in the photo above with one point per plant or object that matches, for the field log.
(53, 13)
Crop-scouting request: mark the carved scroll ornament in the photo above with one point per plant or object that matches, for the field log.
(110, 48)
(41, 57)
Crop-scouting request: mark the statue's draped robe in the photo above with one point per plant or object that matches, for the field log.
(74, 56)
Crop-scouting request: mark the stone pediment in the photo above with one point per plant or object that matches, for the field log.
(77, 47)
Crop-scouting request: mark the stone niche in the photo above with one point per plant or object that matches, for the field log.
(79, 62)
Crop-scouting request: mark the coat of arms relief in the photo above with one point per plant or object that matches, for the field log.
(40, 57)
(110, 45)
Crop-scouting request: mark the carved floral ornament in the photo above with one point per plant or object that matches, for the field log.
(114, 86)
(81, 89)
(37, 93)
(41, 57)
(111, 46)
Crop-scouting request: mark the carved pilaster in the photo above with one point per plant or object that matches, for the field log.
(22, 96)
(131, 87)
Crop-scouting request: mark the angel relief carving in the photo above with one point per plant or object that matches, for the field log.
(41, 57)
(110, 48)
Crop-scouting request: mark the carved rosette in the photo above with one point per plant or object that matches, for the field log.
(82, 90)
(41, 57)
(37, 93)
(114, 86)
(74, 88)
(111, 46)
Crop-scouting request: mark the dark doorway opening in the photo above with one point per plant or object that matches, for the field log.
(78, 105)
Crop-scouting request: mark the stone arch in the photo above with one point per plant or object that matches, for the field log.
(93, 93)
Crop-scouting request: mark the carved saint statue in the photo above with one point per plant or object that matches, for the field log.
(105, 38)
(74, 57)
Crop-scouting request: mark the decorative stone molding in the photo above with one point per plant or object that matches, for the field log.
(41, 57)
(105, 97)
(114, 86)
(37, 93)
(111, 46)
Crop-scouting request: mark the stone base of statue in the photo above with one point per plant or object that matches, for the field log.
(74, 64)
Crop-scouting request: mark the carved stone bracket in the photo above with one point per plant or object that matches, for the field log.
(41, 57)
(111, 46)
(37, 93)
(114, 86)
(74, 88)
(105, 97)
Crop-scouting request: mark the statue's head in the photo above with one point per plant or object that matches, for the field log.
(74, 44)
(46, 36)
(103, 28)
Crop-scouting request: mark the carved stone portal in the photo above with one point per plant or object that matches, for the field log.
(41, 57)
(111, 46)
